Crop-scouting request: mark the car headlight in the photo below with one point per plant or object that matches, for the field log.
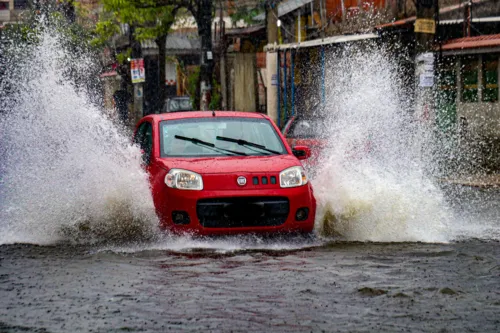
(184, 180)
(293, 177)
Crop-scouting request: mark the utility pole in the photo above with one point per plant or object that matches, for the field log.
(138, 97)
(204, 21)
(425, 25)
(467, 19)
(272, 59)
(425, 30)
(272, 22)
(222, 57)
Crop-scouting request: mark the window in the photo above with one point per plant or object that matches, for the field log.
(144, 138)
(308, 128)
(215, 136)
(20, 4)
(490, 78)
(447, 95)
(469, 75)
(4, 5)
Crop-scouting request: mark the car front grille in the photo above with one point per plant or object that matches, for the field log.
(242, 212)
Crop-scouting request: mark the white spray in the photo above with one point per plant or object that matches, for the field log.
(67, 172)
(372, 184)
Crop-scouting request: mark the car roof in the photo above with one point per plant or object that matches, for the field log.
(179, 97)
(203, 114)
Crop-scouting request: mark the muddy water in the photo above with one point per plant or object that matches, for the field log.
(335, 286)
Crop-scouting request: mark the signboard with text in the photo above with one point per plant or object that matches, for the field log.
(425, 69)
(426, 26)
(137, 70)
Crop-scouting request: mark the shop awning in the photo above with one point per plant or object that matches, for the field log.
(477, 42)
(285, 7)
(442, 11)
(492, 19)
(324, 41)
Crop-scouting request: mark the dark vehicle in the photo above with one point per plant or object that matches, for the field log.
(178, 104)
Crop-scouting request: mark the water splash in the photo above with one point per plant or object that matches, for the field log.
(68, 173)
(375, 181)
(219, 245)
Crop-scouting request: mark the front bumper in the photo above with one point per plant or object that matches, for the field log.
(222, 212)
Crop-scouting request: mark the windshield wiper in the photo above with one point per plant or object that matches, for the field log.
(247, 143)
(208, 145)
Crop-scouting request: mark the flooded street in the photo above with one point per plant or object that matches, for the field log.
(333, 287)
(245, 284)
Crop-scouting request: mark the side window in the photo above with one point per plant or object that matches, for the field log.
(144, 138)
(490, 78)
(469, 76)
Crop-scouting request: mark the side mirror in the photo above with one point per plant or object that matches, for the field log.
(301, 152)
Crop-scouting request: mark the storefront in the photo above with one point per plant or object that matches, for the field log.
(301, 79)
(468, 86)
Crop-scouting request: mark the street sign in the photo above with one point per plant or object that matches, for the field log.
(426, 26)
(426, 80)
(137, 70)
(170, 73)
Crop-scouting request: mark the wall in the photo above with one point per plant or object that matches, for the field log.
(5, 13)
(338, 9)
(483, 119)
(244, 82)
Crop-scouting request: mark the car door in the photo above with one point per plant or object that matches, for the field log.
(286, 129)
(144, 138)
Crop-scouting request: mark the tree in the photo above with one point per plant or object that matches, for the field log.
(17, 41)
(147, 20)
(152, 19)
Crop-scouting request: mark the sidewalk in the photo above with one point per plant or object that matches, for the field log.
(484, 181)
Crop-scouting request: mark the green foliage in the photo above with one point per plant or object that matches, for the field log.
(247, 14)
(105, 30)
(20, 33)
(78, 59)
(215, 102)
(192, 86)
(151, 19)
(29, 31)
(123, 57)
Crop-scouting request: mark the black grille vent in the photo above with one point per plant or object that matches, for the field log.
(242, 212)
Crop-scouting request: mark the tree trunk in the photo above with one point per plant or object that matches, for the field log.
(204, 21)
(161, 41)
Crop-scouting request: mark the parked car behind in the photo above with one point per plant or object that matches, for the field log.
(310, 132)
(177, 104)
(225, 173)
(315, 133)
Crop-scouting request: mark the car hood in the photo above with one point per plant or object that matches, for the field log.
(217, 165)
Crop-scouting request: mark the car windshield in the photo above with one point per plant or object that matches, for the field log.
(308, 129)
(219, 136)
(180, 105)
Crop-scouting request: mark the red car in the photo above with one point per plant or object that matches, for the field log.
(315, 133)
(309, 132)
(225, 173)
